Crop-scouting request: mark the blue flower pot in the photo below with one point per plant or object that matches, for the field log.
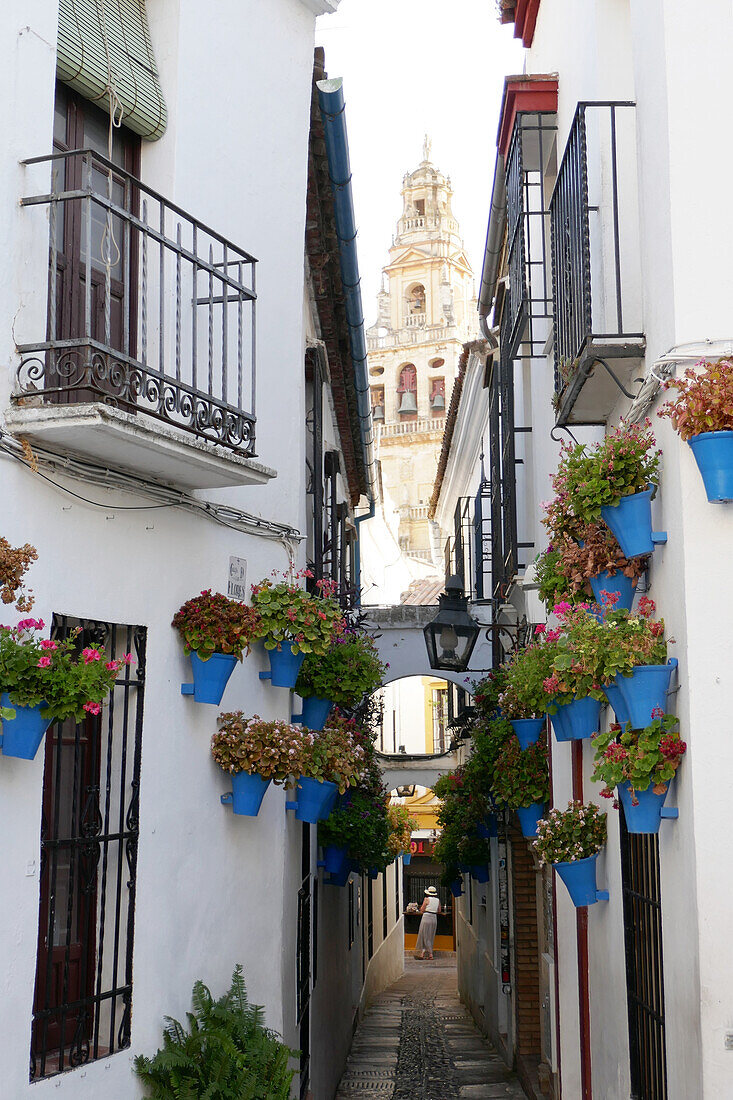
(631, 522)
(23, 734)
(284, 666)
(646, 690)
(456, 888)
(646, 816)
(335, 859)
(577, 720)
(407, 858)
(209, 677)
(618, 583)
(331, 802)
(616, 699)
(339, 878)
(528, 730)
(315, 713)
(529, 816)
(246, 794)
(315, 799)
(713, 453)
(580, 879)
(488, 828)
(373, 872)
(480, 872)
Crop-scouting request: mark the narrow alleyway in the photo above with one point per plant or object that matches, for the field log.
(418, 1042)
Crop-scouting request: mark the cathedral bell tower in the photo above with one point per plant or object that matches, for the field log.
(426, 311)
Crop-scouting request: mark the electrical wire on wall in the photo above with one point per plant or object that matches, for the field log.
(42, 464)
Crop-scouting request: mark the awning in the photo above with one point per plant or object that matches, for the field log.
(107, 42)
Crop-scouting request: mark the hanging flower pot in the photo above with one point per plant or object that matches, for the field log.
(479, 872)
(315, 799)
(631, 522)
(619, 584)
(616, 699)
(406, 858)
(335, 859)
(645, 691)
(315, 713)
(210, 677)
(284, 666)
(645, 817)
(527, 730)
(579, 877)
(488, 828)
(456, 887)
(713, 453)
(23, 734)
(529, 816)
(577, 720)
(245, 797)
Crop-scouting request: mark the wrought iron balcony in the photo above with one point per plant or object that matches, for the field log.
(596, 273)
(150, 312)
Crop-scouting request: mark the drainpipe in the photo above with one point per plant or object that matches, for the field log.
(494, 244)
(332, 105)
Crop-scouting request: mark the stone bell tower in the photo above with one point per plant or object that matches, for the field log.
(426, 312)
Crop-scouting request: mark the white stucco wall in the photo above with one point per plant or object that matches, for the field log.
(212, 889)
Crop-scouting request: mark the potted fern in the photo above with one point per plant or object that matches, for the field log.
(349, 670)
(216, 632)
(225, 1052)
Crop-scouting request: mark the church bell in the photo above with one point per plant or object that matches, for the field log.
(438, 402)
(408, 404)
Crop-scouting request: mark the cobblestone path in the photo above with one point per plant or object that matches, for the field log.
(418, 1042)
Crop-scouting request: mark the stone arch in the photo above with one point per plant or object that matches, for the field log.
(401, 644)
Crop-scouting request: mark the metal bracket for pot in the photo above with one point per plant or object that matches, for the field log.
(187, 689)
(658, 538)
(265, 675)
(671, 812)
(291, 805)
(602, 895)
(296, 717)
(226, 799)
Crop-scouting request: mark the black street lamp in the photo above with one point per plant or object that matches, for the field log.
(452, 634)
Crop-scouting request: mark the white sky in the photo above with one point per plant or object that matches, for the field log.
(412, 67)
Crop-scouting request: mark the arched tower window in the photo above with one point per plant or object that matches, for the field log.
(437, 396)
(407, 389)
(378, 402)
(416, 299)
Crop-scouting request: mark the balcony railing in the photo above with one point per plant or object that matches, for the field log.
(415, 320)
(149, 310)
(418, 334)
(596, 273)
(407, 427)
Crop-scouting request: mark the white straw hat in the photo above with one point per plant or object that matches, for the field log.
(431, 891)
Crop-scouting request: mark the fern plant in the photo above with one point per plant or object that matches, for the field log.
(226, 1053)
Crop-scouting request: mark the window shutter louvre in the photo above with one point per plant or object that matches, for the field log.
(81, 60)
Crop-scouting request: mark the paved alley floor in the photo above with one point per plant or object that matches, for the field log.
(418, 1042)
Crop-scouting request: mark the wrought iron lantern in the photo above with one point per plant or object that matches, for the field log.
(452, 634)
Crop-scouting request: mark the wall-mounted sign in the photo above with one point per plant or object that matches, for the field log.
(237, 582)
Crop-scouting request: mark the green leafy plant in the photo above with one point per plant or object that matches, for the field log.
(270, 749)
(704, 399)
(474, 850)
(551, 575)
(212, 623)
(224, 1052)
(69, 683)
(487, 692)
(565, 836)
(524, 694)
(401, 826)
(14, 563)
(564, 570)
(350, 669)
(290, 614)
(592, 652)
(642, 758)
(522, 777)
(587, 478)
(361, 826)
(332, 754)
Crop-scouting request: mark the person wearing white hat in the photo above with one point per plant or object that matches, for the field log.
(430, 909)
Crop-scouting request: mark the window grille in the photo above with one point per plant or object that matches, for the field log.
(88, 866)
(644, 963)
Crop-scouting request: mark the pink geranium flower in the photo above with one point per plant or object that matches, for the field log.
(90, 654)
(48, 644)
(92, 708)
(44, 662)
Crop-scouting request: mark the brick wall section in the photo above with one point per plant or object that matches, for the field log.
(526, 949)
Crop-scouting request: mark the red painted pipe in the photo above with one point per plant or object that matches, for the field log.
(581, 917)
